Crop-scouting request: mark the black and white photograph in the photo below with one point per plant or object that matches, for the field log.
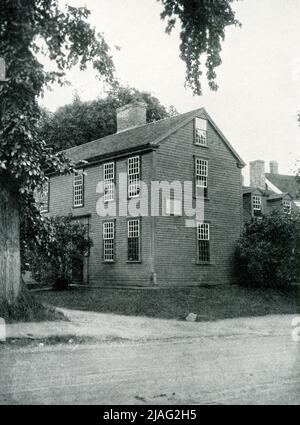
(149, 205)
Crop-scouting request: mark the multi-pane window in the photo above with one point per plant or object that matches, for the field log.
(133, 240)
(44, 198)
(256, 203)
(203, 242)
(287, 206)
(109, 241)
(201, 172)
(78, 189)
(134, 176)
(200, 132)
(109, 179)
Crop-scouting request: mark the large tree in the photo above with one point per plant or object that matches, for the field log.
(80, 122)
(203, 24)
(29, 28)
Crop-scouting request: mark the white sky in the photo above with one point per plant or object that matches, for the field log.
(259, 80)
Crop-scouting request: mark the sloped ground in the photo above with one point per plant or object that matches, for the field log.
(209, 303)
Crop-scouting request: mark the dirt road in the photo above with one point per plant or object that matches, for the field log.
(258, 365)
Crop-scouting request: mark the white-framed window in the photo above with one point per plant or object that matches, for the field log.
(200, 132)
(45, 197)
(256, 203)
(133, 239)
(109, 241)
(203, 239)
(109, 181)
(287, 206)
(78, 182)
(134, 176)
(201, 173)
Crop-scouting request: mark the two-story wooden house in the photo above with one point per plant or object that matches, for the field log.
(269, 191)
(156, 249)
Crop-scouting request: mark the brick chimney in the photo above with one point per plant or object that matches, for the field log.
(131, 115)
(257, 174)
(273, 167)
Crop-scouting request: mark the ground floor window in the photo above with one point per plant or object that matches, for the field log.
(109, 241)
(133, 240)
(203, 240)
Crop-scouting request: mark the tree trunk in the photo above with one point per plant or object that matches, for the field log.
(10, 264)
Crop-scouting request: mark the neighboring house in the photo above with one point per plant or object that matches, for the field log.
(148, 250)
(269, 191)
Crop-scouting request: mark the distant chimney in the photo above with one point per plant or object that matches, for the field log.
(257, 174)
(273, 167)
(131, 115)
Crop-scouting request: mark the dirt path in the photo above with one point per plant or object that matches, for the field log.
(233, 361)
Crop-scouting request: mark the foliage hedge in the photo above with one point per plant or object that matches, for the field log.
(49, 246)
(268, 252)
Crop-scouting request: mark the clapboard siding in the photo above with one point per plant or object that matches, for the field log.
(168, 247)
(175, 260)
(101, 273)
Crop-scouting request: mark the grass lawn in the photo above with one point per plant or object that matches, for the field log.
(210, 303)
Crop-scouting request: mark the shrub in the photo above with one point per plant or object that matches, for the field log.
(49, 256)
(268, 252)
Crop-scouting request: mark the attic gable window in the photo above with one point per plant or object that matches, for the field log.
(201, 173)
(78, 186)
(200, 132)
(44, 198)
(287, 206)
(203, 240)
(256, 203)
(109, 179)
(134, 176)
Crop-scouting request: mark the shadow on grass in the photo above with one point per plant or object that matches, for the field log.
(27, 308)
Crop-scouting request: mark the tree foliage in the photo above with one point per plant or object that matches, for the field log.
(268, 252)
(49, 255)
(81, 122)
(203, 24)
(29, 28)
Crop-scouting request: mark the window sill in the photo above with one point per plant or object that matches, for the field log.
(134, 262)
(205, 263)
(77, 206)
(201, 146)
(108, 261)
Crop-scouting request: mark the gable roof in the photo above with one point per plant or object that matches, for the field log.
(285, 183)
(147, 136)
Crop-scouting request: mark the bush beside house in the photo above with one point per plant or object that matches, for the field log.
(268, 252)
(49, 256)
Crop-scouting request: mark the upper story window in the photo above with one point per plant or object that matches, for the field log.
(78, 183)
(203, 239)
(256, 204)
(287, 206)
(201, 173)
(133, 240)
(109, 241)
(200, 132)
(134, 176)
(109, 181)
(44, 198)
